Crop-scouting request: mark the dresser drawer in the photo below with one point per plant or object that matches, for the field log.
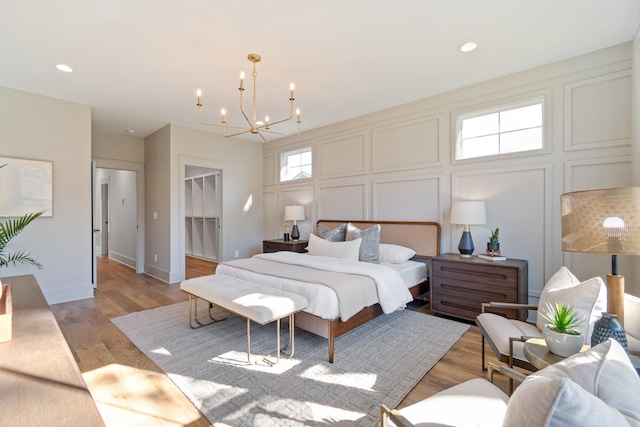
(278, 245)
(459, 285)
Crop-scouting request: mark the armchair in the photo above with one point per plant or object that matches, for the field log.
(506, 336)
(593, 388)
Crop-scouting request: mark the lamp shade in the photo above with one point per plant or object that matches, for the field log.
(468, 213)
(294, 213)
(602, 221)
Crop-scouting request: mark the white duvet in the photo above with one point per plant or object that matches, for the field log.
(392, 291)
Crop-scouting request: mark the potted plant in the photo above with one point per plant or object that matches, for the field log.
(493, 245)
(560, 331)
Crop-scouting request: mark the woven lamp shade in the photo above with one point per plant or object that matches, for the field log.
(603, 221)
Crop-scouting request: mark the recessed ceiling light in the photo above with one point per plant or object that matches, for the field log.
(131, 131)
(468, 47)
(65, 68)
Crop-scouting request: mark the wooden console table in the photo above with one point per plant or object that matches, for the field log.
(40, 383)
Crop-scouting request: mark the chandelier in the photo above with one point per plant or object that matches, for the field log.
(261, 128)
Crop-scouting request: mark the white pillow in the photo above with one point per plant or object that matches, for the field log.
(346, 250)
(395, 254)
(594, 388)
(589, 298)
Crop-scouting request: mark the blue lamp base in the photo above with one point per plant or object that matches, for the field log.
(465, 247)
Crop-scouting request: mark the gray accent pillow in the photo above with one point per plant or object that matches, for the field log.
(370, 246)
(337, 234)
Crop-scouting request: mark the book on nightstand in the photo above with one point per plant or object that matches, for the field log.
(492, 257)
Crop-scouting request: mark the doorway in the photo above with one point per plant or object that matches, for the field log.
(202, 212)
(116, 202)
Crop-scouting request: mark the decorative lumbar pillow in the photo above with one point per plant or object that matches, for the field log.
(337, 234)
(346, 250)
(370, 246)
(395, 254)
(589, 298)
(593, 388)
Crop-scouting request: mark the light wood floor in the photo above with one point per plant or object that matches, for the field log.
(130, 389)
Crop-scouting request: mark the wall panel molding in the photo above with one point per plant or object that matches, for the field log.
(408, 199)
(597, 112)
(344, 156)
(412, 144)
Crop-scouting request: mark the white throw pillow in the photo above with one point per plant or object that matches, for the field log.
(589, 298)
(395, 254)
(346, 250)
(594, 388)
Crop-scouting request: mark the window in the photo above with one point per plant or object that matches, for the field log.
(296, 165)
(506, 129)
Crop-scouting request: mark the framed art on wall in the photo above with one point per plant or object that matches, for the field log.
(26, 186)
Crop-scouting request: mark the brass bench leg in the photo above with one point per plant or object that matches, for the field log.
(193, 314)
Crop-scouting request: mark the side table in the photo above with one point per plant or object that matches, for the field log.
(277, 245)
(537, 352)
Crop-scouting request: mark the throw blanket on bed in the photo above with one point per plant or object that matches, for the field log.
(350, 285)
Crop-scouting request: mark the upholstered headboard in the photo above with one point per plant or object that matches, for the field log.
(422, 237)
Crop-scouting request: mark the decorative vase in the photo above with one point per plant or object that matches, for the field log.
(493, 247)
(564, 345)
(607, 327)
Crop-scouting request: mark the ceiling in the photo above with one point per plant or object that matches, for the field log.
(138, 63)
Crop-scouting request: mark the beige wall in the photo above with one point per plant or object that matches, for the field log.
(38, 127)
(397, 164)
(167, 152)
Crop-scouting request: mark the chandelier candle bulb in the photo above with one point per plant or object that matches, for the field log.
(253, 126)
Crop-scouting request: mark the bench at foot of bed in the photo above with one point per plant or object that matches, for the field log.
(252, 301)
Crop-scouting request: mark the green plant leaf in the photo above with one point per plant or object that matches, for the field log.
(562, 318)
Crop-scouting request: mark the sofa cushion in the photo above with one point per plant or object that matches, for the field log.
(589, 298)
(475, 402)
(594, 388)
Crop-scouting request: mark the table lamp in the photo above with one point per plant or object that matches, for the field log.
(467, 213)
(603, 221)
(294, 213)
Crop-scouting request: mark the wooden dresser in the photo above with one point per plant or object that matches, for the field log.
(40, 383)
(460, 285)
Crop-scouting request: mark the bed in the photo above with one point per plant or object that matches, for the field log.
(330, 316)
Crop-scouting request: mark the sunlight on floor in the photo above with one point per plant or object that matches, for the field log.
(127, 396)
(239, 359)
(365, 381)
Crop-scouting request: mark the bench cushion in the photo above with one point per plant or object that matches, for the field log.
(259, 303)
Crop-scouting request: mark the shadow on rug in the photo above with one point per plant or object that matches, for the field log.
(379, 362)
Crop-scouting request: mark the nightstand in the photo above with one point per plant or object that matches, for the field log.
(277, 245)
(460, 285)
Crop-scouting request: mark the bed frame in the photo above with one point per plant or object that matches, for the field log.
(422, 237)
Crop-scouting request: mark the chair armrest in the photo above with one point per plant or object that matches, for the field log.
(394, 415)
(489, 305)
(506, 371)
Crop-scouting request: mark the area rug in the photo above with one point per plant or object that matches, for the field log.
(379, 362)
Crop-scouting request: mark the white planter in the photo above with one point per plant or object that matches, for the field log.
(562, 344)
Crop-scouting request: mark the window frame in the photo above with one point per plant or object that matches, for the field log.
(501, 105)
(282, 162)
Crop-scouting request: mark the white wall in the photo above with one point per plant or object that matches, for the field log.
(167, 153)
(38, 127)
(398, 164)
(122, 213)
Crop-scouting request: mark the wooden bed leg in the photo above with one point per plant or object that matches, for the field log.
(332, 343)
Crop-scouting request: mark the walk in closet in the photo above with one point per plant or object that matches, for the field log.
(202, 213)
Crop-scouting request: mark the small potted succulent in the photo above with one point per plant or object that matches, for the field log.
(560, 331)
(493, 245)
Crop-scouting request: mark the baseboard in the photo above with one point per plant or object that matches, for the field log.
(72, 293)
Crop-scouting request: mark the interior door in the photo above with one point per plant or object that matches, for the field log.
(94, 229)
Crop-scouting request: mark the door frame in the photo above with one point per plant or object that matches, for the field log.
(138, 168)
(183, 161)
